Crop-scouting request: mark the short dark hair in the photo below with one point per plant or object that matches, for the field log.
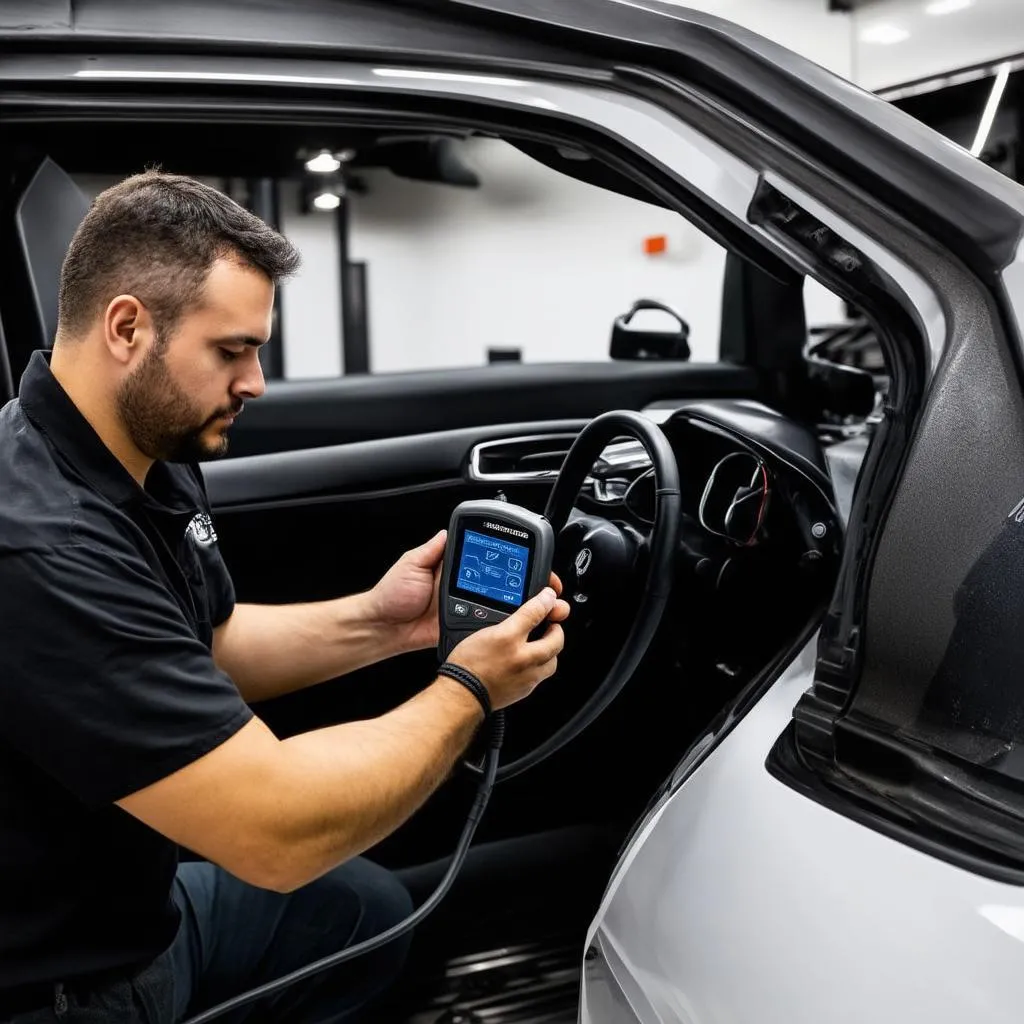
(156, 236)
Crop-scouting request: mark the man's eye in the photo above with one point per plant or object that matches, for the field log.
(228, 355)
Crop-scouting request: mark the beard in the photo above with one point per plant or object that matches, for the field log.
(162, 420)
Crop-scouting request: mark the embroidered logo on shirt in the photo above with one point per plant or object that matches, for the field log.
(201, 530)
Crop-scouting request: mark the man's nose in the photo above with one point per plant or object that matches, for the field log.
(253, 383)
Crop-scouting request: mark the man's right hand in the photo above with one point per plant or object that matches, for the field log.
(279, 813)
(505, 660)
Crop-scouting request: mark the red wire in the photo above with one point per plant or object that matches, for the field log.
(761, 509)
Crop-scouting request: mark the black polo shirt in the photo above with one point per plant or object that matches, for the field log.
(108, 598)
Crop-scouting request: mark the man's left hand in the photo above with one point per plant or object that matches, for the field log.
(406, 597)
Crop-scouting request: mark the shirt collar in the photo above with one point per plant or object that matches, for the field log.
(51, 410)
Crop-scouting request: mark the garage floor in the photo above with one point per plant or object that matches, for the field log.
(513, 985)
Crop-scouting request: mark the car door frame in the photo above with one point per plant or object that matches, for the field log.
(743, 181)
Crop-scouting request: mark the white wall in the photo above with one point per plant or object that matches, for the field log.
(982, 32)
(532, 260)
(311, 300)
(803, 26)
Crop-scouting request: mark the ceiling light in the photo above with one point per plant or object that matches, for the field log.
(884, 35)
(991, 109)
(939, 7)
(327, 201)
(322, 192)
(324, 162)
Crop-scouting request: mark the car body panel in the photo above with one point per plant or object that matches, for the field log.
(741, 900)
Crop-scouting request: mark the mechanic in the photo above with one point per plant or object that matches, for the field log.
(127, 668)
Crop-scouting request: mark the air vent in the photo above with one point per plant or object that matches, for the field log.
(535, 457)
(540, 457)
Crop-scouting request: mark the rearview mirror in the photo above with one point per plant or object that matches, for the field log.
(842, 390)
(633, 343)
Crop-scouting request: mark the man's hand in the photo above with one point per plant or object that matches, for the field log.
(503, 657)
(406, 597)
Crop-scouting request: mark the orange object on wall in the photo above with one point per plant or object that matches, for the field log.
(654, 245)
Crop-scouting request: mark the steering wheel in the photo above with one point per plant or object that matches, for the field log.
(594, 538)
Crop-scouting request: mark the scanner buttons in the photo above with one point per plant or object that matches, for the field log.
(466, 609)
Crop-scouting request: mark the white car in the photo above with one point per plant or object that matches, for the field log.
(781, 775)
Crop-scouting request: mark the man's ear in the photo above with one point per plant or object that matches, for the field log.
(127, 328)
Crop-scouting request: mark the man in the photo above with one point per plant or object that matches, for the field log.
(126, 666)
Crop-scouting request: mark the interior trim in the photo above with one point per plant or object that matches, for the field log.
(339, 469)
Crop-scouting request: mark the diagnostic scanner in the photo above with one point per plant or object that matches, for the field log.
(498, 555)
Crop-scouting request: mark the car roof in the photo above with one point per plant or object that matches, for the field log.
(936, 184)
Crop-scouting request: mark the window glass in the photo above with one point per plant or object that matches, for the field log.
(461, 252)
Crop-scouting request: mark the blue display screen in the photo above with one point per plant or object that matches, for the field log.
(494, 569)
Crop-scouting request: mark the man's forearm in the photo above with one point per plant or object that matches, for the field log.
(348, 786)
(269, 650)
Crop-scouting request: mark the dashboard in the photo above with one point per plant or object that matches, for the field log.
(748, 477)
(760, 535)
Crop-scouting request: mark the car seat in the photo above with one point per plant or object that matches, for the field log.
(44, 208)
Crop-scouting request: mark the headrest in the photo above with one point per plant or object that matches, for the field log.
(45, 219)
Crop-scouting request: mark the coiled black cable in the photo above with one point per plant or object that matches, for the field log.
(483, 795)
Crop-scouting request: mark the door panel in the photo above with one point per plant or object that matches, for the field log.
(359, 470)
(308, 414)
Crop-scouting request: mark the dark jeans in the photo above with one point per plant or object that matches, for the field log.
(234, 937)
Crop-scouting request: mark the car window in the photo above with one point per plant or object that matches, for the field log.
(527, 264)
(504, 259)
